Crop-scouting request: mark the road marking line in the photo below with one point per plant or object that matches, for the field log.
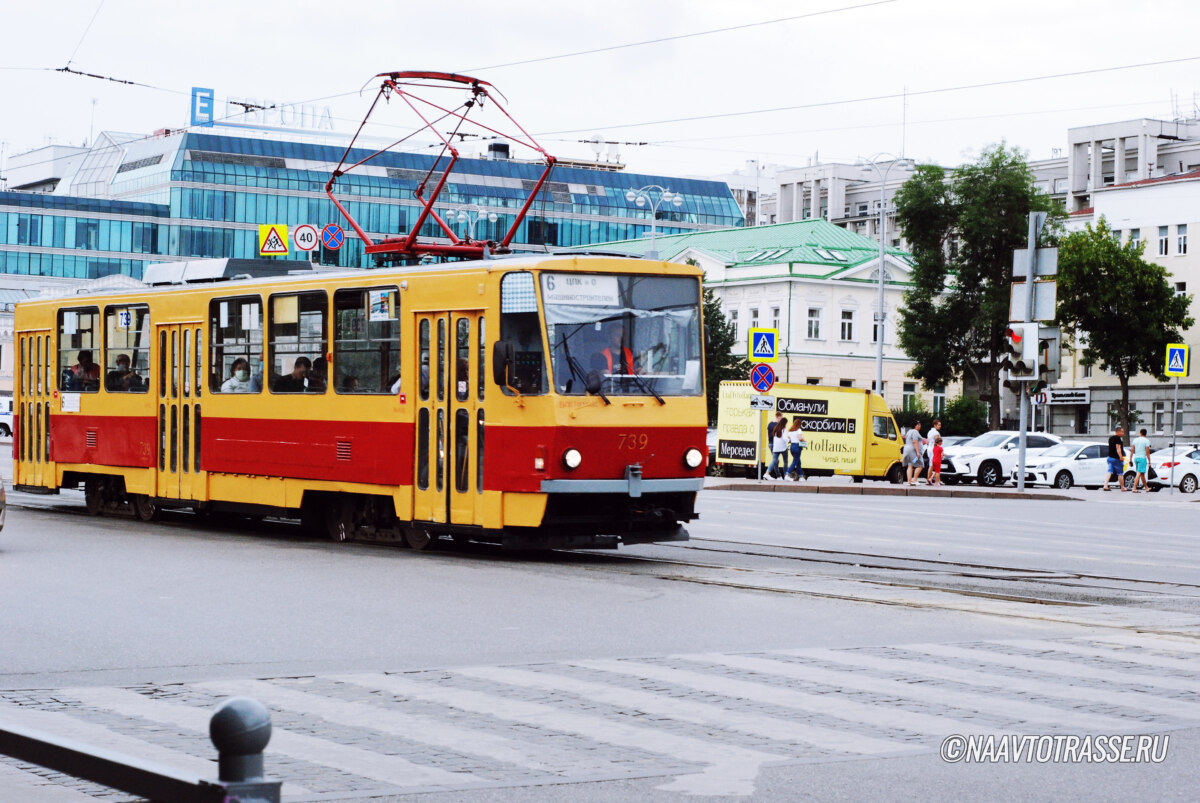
(413, 727)
(1135, 700)
(1009, 709)
(696, 713)
(1071, 669)
(730, 770)
(367, 764)
(20, 786)
(1152, 643)
(1126, 655)
(828, 704)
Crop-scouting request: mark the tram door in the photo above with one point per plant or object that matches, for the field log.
(180, 383)
(449, 431)
(31, 408)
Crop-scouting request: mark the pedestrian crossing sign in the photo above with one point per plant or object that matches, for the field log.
(1178, 359)
(764, 345)
(272, 240)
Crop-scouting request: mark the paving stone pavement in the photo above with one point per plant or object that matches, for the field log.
(702, 723)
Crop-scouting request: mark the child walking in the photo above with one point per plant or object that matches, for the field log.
(935, 463)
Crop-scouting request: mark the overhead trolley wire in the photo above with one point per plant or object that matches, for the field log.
(872, 98)
(662, 39)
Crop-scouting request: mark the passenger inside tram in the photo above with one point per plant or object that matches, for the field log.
(239, 378)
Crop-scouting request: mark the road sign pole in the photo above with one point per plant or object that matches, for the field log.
(1036, 219)
(1174, 432)
(758, 447)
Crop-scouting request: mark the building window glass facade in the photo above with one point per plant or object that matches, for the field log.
(847, 332)
(1181, 238)
(814, 323)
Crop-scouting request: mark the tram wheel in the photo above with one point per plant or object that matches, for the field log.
(93, 496)
(420, 539)
(145, 508)
(339, 520)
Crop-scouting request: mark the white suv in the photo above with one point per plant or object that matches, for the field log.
(991, 458)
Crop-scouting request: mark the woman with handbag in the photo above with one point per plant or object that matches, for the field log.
(796, 442)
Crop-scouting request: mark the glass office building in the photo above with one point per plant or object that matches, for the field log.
(129, 201)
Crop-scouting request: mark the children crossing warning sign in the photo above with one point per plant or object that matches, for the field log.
(272, 240)
(1178, 361)
(763, 345)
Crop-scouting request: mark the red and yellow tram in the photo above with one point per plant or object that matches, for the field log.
(476, 400)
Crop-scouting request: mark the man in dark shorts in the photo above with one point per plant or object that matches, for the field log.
(1116, 459)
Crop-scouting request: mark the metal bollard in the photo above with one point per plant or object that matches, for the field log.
(240, 730)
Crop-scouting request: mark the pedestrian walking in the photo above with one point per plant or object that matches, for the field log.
(1141, 461)
(911, 458)
(779, 447)
(796, 442)
(934, 434)
(935, 467)
(1116, 459)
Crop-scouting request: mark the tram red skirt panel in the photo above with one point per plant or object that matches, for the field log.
(373, 452)
(509, 462)
(103, 440)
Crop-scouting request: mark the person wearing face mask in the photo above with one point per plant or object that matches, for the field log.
(239, 378)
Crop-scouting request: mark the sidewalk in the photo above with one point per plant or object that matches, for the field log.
(845, 485)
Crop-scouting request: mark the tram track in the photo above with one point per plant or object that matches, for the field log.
(873, 578)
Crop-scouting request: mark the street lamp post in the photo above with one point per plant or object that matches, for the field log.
(876, 164)
(471, 217)
(642, 196)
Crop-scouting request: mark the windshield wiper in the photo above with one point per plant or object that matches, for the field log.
(578, 373)
(646, 386)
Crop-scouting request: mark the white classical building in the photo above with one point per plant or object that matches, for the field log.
(818, 285)
(1158, 212)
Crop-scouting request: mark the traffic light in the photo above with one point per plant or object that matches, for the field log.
(1008, 383)
(1020, 351)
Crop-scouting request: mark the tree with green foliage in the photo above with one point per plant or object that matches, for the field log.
(962, 234)
(720, 362)
(965, 416)
(1120, 310)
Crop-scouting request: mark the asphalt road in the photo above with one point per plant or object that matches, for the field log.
(801, 647)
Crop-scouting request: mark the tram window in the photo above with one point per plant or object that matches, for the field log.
(441, 448)
(162, 364)
(196, 436)
(366, 340)
(441, 363)
(37, 364)
(127, 349)
(46, 430)
(235, 339)
(479, 453)
(424, 337)
(199, 362)
(482, 352)
(519, 326)
(298, 341)
(187, 439)
(187, 362)
(462, 360)
(46, 369)
(462, 442)
(78, 345)
(423, 448)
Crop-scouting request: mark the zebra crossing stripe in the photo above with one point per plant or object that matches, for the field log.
(830, 705)
(1127, 655)
(376, 766)
(1015, 709)
(728, 770)
(697, 713)
(65, 726)
(1151, 642)
(1074, 669)
(413, 727)
(1133, 700)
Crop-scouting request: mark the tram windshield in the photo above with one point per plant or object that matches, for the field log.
(639, 335)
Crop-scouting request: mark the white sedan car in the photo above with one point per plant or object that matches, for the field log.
(1186, 466)
(1065, 464)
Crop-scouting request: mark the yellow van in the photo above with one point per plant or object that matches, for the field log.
(850, 431)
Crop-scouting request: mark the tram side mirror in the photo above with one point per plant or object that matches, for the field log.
(504, 355)
(594, 382)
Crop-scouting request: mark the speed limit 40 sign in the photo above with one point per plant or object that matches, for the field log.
(305, 237)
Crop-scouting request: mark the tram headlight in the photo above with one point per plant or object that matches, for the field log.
(572, 458)
(692, 458)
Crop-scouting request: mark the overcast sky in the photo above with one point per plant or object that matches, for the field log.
(820, 71)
